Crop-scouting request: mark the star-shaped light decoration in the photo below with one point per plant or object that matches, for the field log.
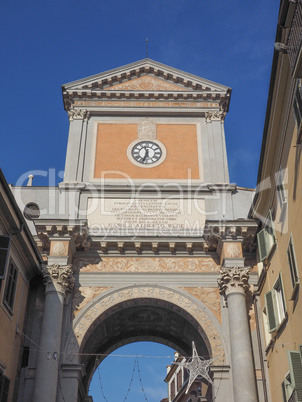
(197, 366)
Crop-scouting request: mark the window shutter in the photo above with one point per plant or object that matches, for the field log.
(297, 105)
(4, 248)
(270, 311)
(287, 390)
(5, 389)
(10, 287)
(295, 369)
(292, 262)
(265, 243)
(282, 292)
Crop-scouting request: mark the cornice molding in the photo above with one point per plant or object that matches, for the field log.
(146, 80)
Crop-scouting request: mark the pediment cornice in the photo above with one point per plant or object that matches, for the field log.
(145, 79)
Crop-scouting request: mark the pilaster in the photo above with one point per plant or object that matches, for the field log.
(72, 375)
(75, 147)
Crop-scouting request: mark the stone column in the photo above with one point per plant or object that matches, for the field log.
(58, 281)
(233, 283)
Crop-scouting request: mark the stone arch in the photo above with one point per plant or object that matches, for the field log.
(193, 310)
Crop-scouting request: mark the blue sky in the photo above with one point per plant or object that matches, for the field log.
(45, 44)
(117, 369)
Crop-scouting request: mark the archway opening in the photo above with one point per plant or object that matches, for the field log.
(120, 375)
(141, 319)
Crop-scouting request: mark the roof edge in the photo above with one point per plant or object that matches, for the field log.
(140, 63)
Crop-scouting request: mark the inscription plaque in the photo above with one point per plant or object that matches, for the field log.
(121, 216)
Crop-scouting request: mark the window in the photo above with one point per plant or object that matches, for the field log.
(10, 288)
(4, 387)
(287, 389)
(281, 193)
(267, 334)
(186, 375)
(172, 389)
(275, 306)
(266, 238)
(292, 385)
(292, 262)
(179, 380)
(4, 248)
(297, 106)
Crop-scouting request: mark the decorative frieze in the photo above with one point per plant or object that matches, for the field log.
(209, 296)
(83, 295)
(233, 280)
(182, 103)
(132, 264)
(147, 83)
(58, 278)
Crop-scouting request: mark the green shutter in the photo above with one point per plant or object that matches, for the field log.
(283, 387)
(287, 390)
(270, 311)
(292, 262)
(265, 243)
(295, 369)
(283, 294)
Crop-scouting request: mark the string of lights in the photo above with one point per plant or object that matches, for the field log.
(130, 384)
(135, 367)
(102, 390)
(140, 379)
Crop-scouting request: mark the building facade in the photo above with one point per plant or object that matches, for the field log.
(277, 205)
(146, 238)
(177, 380)
(20, 269)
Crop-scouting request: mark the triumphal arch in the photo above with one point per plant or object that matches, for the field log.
(145, 238)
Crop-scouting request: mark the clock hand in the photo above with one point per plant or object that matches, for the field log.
(146, 154)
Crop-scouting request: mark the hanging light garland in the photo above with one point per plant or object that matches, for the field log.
(101, 385)
(197, 367)
(135, 366)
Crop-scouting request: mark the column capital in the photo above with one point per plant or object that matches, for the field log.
(214, 115)
(58, 278)
(233, 280)
(78, 114)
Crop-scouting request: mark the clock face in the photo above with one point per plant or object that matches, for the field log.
(146, 152)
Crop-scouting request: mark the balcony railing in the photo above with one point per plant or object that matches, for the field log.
(294, 42)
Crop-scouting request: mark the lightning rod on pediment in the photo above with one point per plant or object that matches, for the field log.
(146, 48)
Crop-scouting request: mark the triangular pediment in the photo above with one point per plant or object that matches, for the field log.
(144, 75)
(145, 79)
(147, 83)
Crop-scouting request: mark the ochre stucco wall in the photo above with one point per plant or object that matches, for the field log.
(180, 141)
